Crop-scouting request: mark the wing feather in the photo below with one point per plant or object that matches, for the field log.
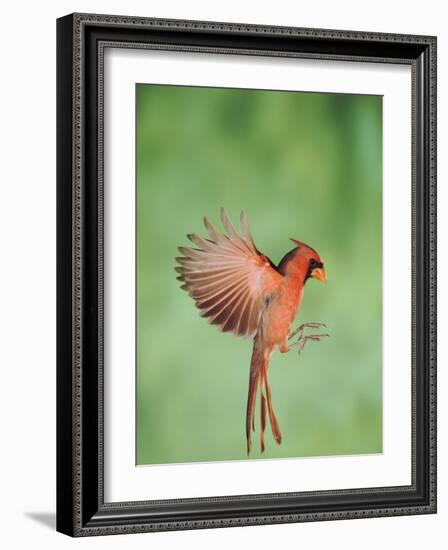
(226, 276)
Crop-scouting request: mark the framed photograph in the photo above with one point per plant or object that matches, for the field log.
(246, 274)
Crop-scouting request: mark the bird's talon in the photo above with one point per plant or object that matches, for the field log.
(301, 328)
(301, 342)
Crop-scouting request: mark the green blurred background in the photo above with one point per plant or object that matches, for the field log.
(303, 165)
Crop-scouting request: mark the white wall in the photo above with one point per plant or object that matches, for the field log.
(27, 305)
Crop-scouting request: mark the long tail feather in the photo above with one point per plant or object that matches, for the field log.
(262, 417)
(259, 376)
(250, 423)
(272, 418)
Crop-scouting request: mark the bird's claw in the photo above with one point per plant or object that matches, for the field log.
(301, 342)
(302, 327)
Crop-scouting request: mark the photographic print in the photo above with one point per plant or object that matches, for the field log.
(246, 274)
(247, 201)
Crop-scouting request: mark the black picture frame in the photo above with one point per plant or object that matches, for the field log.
(81, 510)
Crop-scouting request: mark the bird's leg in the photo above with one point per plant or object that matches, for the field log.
(299, 330)
(300, 343)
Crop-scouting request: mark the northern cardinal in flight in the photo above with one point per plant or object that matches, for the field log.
(240, 290)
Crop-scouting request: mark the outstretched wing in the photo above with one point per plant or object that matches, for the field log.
(227, 276)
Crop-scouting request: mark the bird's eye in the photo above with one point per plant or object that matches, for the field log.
(312, 262)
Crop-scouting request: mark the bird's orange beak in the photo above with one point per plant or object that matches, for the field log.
(319, 274)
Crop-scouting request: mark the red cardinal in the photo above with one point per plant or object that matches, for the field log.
(241, 291)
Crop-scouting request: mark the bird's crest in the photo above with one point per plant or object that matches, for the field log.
(302, 245)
